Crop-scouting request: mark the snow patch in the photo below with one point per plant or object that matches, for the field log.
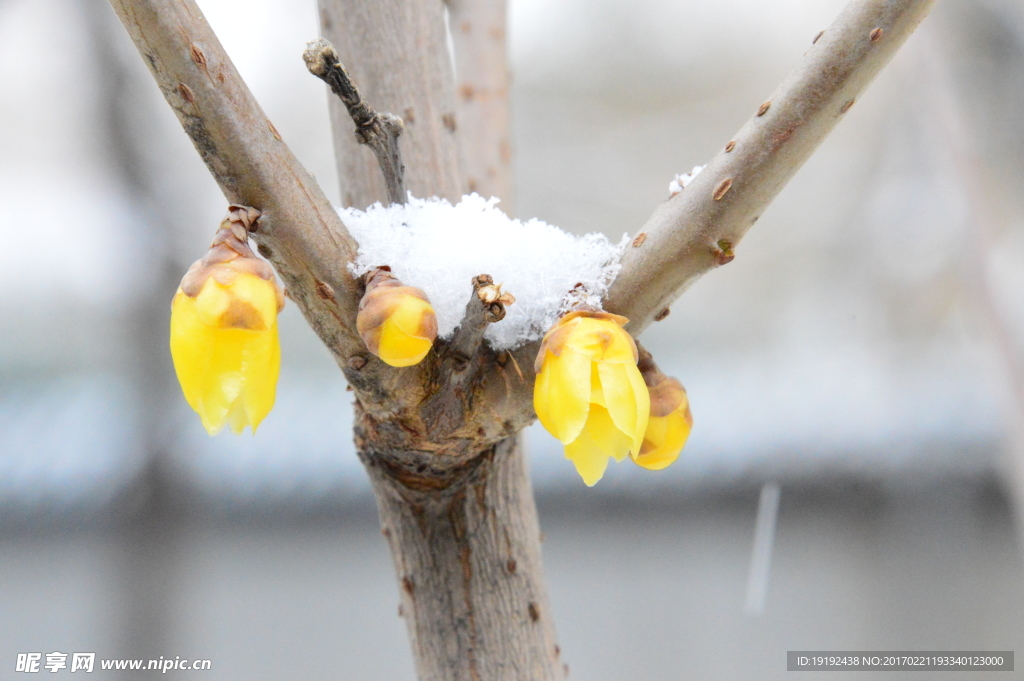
(439, 248)
(680, 181)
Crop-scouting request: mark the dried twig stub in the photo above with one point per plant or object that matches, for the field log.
(379, 131)
(485, 306)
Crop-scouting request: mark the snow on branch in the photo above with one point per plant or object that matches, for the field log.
(379, 131)
(300, 231)
(698, 228)
(439, 248)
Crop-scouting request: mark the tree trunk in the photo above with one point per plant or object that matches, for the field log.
(458, 512)
(468, 560)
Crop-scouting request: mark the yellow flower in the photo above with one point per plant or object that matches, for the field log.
(589, 393)
(668, 427)
(224, 340)
(396, 322)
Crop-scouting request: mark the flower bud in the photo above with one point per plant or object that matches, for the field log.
(589, 393)
(396, 322)
(224, 340)
(670, 419)
(668, 426)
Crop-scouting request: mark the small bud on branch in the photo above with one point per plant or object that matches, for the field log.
(396, 321)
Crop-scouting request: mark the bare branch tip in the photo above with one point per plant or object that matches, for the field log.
(379, 131)
(492, 297)
(319, 56)
(394, 124)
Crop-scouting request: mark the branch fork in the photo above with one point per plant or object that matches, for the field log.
(463, 357)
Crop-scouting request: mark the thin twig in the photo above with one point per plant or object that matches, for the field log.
(379, 131)
(461, 357)
(300, 233)
(486, 305)
(397, 52)
(699, 228)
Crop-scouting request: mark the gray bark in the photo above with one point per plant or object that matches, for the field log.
(467, 557)
(482, 82)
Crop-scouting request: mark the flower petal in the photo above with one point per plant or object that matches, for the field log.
(212, 302)
(192, 344)
(223, 382)
(561, 394)
(237, 419)
(248, 302)
(599, 440)
(261, 365)
(665, 438)
(261, 295)
(643, 406)
(398, 348)
(626, 399)
(409, 315)
(601, 340)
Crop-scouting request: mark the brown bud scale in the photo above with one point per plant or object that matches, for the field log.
(230, 255)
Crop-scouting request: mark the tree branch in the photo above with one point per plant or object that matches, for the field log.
(486, 305)
(396, 51)
(300, 232)
(380, 132)
(478, 29)
(462, 360)
(699, 228)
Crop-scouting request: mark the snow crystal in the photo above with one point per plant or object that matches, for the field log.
(680, 181)
(439, 248)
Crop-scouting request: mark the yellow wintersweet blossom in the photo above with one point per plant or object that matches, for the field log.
(396, 322)
(224, 340)
(589, 393)
(669, 425)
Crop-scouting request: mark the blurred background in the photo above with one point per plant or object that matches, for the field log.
(863, 355)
